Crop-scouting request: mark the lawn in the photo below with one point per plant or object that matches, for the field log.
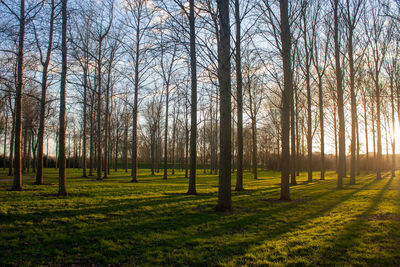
(154, 223)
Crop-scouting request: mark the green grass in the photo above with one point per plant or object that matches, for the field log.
(153, 223)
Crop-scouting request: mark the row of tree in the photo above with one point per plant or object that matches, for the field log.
(179, 83)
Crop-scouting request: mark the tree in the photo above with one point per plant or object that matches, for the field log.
(339, 89)
(62, 189)
(224, 78)
(287, 98)
(138, 18)
(101, 35)
(193, 109)
(320, 59)
(378, 36)
(45, 65)
(239, 99)
(18, 100)
(353, 9)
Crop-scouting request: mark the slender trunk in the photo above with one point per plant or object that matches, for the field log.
(239, 97)
(296, 164)
(84, 135)
(309, 121)
(91, 152)
(353, 110)
(340, 106)
(62, 190)
(166, 134)
(366, 132)
(378, 126)
(287, 97)
(212, 150)
(254, 145)
(152, 151)
(173, 142)
(126, 146)
(41, 130)
(116, 149)
(373, 135)
(292, 145)
(17, 186)
(135, 107)
(5, 142)
(106, 124)
(28, 159)
(358, 148)
(11, 157)
(193, 107)
(224, 76)
(393, 130)
(216, 165)
(321, 126)
(99, 133)
(186, 144)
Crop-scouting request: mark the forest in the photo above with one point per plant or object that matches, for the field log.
(199, 133)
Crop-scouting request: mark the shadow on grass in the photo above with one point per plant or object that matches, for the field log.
(183, 228)
(349, 238)
(153, 226)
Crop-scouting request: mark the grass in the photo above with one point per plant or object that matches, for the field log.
(154, 223)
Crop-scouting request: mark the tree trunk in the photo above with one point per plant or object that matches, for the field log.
(62, 190)
(99, 134)
(224, 76)
(166, 134)
(11, 158)
(378, 126)
(186, 144)
(293, 144)
(287, 97)
(41, 130)
(239, 97)
(393, 130)
(353, 109)
(17, 186)
(366, 132)
(309, 121)
(321, 126)
(135, 110)
(193, 107)
(91, 152)
(340, 106)
(84, 135)
(5, 142)
(106, 124)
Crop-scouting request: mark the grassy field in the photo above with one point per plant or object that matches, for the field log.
(153, 223)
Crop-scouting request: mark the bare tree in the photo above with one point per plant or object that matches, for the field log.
(287, 97)
(62, 189)
(339, 98)
(224, 77)
(45, 65)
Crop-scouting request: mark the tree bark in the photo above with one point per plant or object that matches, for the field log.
(193, 106)
(239, 97)
(62, 189)
(287, 97)
(224, 76)
(17, 186)
(339, 88)
(41, 130)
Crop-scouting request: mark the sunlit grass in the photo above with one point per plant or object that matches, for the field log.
(154, 223)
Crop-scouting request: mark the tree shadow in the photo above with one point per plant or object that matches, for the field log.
(349, 237)
(192, 223)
